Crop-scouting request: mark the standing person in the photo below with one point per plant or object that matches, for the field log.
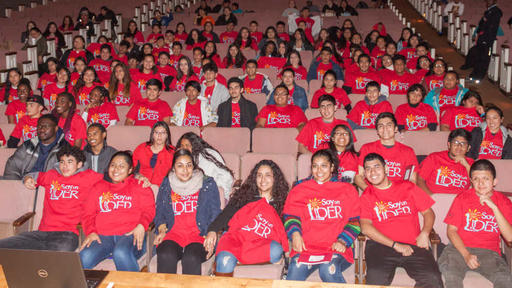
(151, 109)
(479, 55)
(472, 248)
(117, 214)
(26, 128)
(260, 199)
(491, 140)
(321, 242)
(281, 114)
(187, 203)
(193, 110)
(416, 115)
(97, 152)
(365, 111)
(237, 111)
(396, 239)
(73, 126)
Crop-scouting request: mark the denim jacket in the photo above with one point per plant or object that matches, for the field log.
(299, 98)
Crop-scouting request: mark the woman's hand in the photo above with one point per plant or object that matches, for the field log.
(138, 236)
(162, 231)
(338, 246)
(209, 243)
(89, 239)
(143, 180)
(298, 243)
(29, 182)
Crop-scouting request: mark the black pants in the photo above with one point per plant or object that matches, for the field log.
(42, 240)
(382, 261)
(478, 58)
(170, 252)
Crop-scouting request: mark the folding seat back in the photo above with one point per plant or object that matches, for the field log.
(270, 72)
(502, 174)
(177, 132)
(426, 142)
(259, 99)
(5, 153)
(231, 72)
(275, 140)
(441, 206)
(172, 97)
(15, 201)
(312, 113)
(121, 112)
(233, 162)
(365, 136)
(249, 53)
(307, 58)
(397, 100)
(7, 129)
(286, 162)
(127, 137)
(3, 118)
(230, 140)
(354, 98)
(313, 86)
(304, 84)
(304, 166)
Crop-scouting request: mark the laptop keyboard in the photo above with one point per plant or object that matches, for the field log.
(92, 283)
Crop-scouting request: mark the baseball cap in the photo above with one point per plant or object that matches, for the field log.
(36, 99)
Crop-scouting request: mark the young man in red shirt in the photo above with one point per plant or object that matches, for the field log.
(318, 130)
(255, 82)
(363, 115)
(399, 80)
(476, 220)
(319, 67)
(237, 111)
(281, 114)
(356, 81)
(400, 159)
(228, 36)
(447, 171)
(102, 64)
(65, 190)
(26, 128)
(389, 218)
(151, 109)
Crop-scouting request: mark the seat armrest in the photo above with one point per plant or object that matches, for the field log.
(151, 226)
(23, 218)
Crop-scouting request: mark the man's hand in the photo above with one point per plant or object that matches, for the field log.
(404, 249)
(339, 247)
(472, 261)
(422, 240)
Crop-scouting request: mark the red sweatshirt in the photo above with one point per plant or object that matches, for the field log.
(142, 156)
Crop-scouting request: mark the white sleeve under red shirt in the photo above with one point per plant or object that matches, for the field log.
(399, 84)
(339, 94)
(146, 113)
(102, 68)
(255, 85)
(400, 159)
(193, 117)
(134, 96)
(476, 223)
(394, 211)
(358, 80)
(289, 116)
(25, 129)
(364, 115)
(433, 81)
(324, 211)
(316, 132)
(102, 114)
(64, 199)
(45, 80)
(17, 109)
(415, 118)
(460, 117)
(443, 175)
(82, 97)
(78, 129)
(271, 62)
(491, 146)
(115, 209)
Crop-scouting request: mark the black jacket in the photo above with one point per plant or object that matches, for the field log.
(223, 21)
(488, 25)
(103, 158)
(248, 113)
(477, 136)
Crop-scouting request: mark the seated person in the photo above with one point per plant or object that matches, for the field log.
(97, 152)
(298, 94)
(62, 206)
(152, 159)
(102, 64)
(466, 115)
(211, 89)
(16, 109)
(395, 238)
(193, 111)
(150, 110)
(447, 171)
(363, 115)
(228, 36)
(324, 64)
(477, 248)
(117, 214)
(281, 114)
(342, 145)
(26, 128)
(491, 140)
(318, 130)
(400, 159)
(356, 81)
(329, 86)
(72, 125)
(399, 80)
(39, 153)
(416, 115)
(237, 111)
(255, 82)
(447, 96)
(99, 109)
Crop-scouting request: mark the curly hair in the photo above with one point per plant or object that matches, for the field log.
(249, 190)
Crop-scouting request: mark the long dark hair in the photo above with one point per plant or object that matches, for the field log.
(8, 84)
(59, 68)
(249, 190)
(71, 112)
(238, 39)
(180, 74)
(263, 51)
(331, 157)
(168, 144)
(80, 83)
(199, 147)
(293, 51)
(200, 37)
(239, 58)
(58, 34)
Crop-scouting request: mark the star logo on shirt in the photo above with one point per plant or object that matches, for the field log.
(273, 114)
(143, 110)
(381, 206)
(53, 97)
(366, 114)
(411, 118)
(474, 214)
(105, 197)
(55, 185)
(314, 203)
(485, 143)
(20, 114)
(445, 171)
(175, 197)
(26, 129)
(461, 116)
(95, 117)
(83, 96)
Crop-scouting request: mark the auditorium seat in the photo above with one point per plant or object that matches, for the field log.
(231, 140)
(502, 174)
(15, 201)
(7, 129)
(3, 117)
(275, 140)
(304, 166)
(303, 83)
(270, 72)
(232, 72)
(259, 99)
(426, 142)
(307, 58)
(121, 112)
(178, 131)
(286, 162)
(172, 97)
(312, 113)
(397, 100)
(316, 84)
(365, 136)
(233, 162)
(5, 153)
(127, 137)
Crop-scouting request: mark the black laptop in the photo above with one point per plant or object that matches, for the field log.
(47, 269)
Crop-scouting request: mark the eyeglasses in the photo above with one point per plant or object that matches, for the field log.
(341, 134)
(439, 66)
(459, 143)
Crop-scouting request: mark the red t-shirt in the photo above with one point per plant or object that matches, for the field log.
(153, 36)
(25, 129)
(284, 36)
(198, 44)
(358, 80)
(400, 159)
(271, 62)
(228, 37)
(491, 146)
(192, 115)
(255, 85)
(377, 52)
(157, 50)
(95, 49)
(209, 91)
(476, 223)
(135, 96)
(166, 70)
(408, 53)
(82, 97)
(415, 118)
(321, 69)
(181, 37)
(102, 68)
(116, 209)
(338, 93)
(51, 92)
(443, 175)
(300, 72)
(74, 78)
(399, 84)
(146, 113)
(16, 108)
(257, 36)
(347, 168)
(141, 78)
(102, 114)
(123, 58)
(364, 115)
(447, 99)
(324, 210)
(433, 81)
(179, 85)
(142, 158)
(184, 230)
(78, 129)
(65, 198)
(316, 132)
(460, 117)
(72, 57)
(45, 80)
(174, 60)
(13, 94)
(289, 116)
(235, 115)
(394, 211)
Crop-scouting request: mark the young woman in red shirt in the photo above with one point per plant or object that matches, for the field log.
(244, 40)
(78, 50)
(329, 87)
(122, 90)
(491, 140)
(78, 69)
(87, 81)
(422, 68)
(117, 214)
(416, 115)
(62, 84)
(9, 92)
(187, 203)
(259, 200)
(294, 62)
(210, 51)
(50, 76)
(195, 39)
(322, 221)
(185, 73)
(269, 58)
(146, 72)
(435, 76)
(322, 37)
(234, 58)
(342, 145)
(100, 110)
(410, 51)
(18, 108)
(467, 115)
(72, 124)
(181, 34)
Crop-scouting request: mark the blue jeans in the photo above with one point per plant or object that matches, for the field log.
(42, 240)
(121, 248)
(329, 272)
(226, 261)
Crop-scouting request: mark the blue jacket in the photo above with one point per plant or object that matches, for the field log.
(299, 97)
(208, 205)
(432, 98)
(314, 66)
